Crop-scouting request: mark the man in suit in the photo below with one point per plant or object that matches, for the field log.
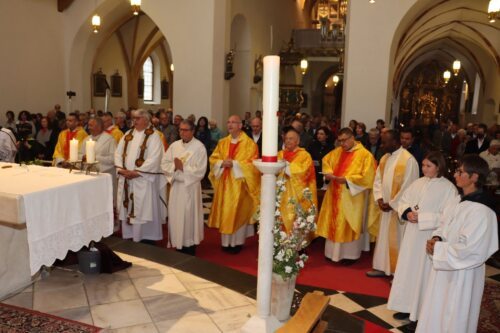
(480, 143)
(256, 133)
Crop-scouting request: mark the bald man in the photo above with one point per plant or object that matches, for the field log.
(236, 183)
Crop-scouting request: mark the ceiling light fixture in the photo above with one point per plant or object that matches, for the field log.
(493, 10)
(136, 6)
(456, 67)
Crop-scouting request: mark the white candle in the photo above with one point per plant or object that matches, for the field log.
(90, 151)
(73, 150)
(270, 108)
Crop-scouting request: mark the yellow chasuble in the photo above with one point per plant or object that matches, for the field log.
(116, 133)
(302, 176)
(397, 181)
(62, 147)
(342, 213)
(235, 199)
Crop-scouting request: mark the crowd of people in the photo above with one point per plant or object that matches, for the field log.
(391, 186)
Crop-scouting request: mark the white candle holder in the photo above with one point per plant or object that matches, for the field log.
(263, 321)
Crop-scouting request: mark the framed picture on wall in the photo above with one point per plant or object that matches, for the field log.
(140, 88)
(116, 85)
(164, 89)
(99, 84)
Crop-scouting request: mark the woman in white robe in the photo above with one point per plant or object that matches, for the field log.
(459, 249)
(421, 207)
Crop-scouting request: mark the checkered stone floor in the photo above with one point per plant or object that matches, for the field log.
(369, 308)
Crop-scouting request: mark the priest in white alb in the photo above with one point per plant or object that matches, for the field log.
(458, 249)
(396, 171)
(184, 164)
(421, 208)
(104, 148)
(141, 183)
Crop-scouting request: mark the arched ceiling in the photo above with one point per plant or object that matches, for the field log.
(450, 29)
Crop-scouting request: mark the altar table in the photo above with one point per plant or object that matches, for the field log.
(44, 212)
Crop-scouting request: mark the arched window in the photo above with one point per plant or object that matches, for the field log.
(147, 72)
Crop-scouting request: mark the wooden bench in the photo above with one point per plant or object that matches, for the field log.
(307, 317)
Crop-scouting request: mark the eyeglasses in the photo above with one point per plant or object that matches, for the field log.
(234, 122)
(185, 129)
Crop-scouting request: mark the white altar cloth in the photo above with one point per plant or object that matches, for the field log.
(62, 211)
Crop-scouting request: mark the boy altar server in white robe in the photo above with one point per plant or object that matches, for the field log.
(459, 249)
(141, 183)
(421, 207)
(185, 164)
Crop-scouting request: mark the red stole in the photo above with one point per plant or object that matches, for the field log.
(69, 136)
(231, 155)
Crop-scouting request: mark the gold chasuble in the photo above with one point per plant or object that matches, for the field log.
(301, 176)
(61, 150)
(115, 132)
(397, 181)
(235, 198)
(342, 211)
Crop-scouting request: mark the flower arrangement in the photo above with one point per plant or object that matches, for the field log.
(287, 259)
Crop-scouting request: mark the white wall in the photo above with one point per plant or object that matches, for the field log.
(367, 66)
(31, 56)
(259, 16)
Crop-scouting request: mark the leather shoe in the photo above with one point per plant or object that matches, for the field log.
(375, 273)
(401, 316)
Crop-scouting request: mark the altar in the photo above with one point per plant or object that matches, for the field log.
(44, 212)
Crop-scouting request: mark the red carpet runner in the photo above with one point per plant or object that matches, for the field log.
(318, 272)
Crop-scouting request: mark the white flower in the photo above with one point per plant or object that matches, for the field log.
(300, 263)
(288, 269)
(310, 219)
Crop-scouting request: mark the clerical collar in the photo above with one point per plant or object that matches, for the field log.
(186, 142)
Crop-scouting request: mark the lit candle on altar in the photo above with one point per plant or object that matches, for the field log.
(73, 150)
(270, 101)
(90, 151)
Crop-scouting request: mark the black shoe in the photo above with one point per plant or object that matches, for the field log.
(375, 273)
(348, 262)
(148, 241)
(411, 327)
(189, 250)
(401, 316)
(235, 249)
(226, 248)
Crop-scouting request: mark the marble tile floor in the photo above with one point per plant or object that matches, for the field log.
(166, 291)
(163, 291)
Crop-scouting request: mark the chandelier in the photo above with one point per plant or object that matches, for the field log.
(456, 67)
(493, 10)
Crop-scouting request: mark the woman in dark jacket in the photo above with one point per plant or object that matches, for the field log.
(321, 146)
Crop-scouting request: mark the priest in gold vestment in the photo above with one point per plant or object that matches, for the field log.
(344, 216)
(236, 183)
(74, 131)
(299, 174)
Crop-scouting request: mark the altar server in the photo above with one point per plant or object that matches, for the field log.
(74, 131)
(420, 208)
(459, 249)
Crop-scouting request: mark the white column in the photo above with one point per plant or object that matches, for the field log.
(263, 321)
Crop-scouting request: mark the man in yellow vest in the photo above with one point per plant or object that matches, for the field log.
(110, 128)
(236, 184)
(350, 168)
(299, 174)
(73, 131)
(396, 171)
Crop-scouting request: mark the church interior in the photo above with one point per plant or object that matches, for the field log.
(408, 62)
